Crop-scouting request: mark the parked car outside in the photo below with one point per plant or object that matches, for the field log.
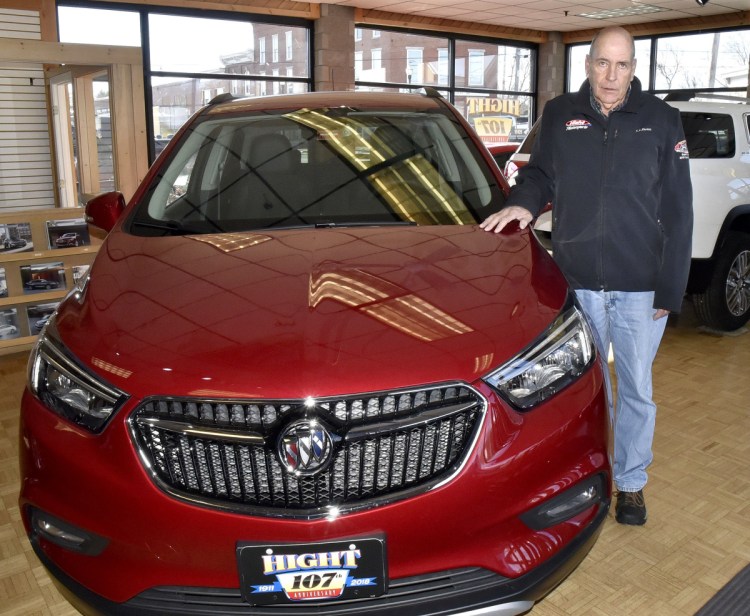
(67, 240)
(8, 331)
(718, 139)
(36, 284)
(521, 156)
(309, 383)
(501, 152)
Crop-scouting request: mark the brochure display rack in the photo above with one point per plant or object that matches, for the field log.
(44, 254)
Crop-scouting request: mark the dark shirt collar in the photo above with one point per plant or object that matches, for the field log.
(631, 103)
(597, 106)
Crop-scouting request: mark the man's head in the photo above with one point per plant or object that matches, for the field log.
(610, 66)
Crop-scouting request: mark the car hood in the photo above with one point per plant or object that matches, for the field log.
(290, 314)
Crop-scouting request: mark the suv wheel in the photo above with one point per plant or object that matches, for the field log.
(725, 304)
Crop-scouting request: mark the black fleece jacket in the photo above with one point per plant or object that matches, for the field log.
(621, 193)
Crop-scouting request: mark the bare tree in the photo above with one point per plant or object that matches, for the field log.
(669, 65)
(740, 46)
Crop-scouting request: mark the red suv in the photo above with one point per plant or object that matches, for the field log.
(299, 379)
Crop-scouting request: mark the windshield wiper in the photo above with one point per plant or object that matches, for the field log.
(173, 227)
(372, 223)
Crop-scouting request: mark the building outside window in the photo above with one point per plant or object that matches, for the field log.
(476, 67)
(489, 81)
(274, 48)
(358, 59)
(443, 66)
(248, 83)
(414, 65)
(289, 45)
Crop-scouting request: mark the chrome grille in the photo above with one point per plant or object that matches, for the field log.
(385, 446)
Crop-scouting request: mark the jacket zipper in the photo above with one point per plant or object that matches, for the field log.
(605, 170)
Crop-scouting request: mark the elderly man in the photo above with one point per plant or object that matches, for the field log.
(614, 163)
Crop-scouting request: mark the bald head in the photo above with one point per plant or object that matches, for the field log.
(612, 33)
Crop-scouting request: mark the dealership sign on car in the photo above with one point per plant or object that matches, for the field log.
(301, 572)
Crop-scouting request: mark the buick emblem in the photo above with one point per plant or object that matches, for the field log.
(305, 447)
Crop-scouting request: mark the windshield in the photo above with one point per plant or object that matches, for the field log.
(320, 167)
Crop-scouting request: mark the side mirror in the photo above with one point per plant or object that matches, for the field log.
(104, 210)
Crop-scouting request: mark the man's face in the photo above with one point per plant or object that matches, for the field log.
(610, 69)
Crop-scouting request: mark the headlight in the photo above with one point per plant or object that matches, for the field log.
(553, 362)
(68, 389)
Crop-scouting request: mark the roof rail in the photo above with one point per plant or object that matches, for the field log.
(431, 92)
(679, 96)
(688, 95)
(726, 97)
(221, 98)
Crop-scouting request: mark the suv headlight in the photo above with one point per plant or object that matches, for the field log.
(557, 359)
(67, 388)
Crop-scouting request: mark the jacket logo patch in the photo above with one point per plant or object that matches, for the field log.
(682, 149)
(577, 124)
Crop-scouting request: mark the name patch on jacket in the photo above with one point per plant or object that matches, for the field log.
(577, 124)
(682, 149)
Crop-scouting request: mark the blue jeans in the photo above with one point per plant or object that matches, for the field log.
(625, 319)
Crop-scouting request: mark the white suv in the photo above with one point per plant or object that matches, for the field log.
(718, 137)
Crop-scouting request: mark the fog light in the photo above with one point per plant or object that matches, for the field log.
(66, 535)
(569, 504)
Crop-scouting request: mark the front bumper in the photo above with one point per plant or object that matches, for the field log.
(464, 592)
(460, 548)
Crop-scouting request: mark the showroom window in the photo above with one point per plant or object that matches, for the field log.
(710, 62)
(216, 52)
(491, 82)
(99, 26)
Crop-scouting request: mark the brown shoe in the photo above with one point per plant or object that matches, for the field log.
(631, 508)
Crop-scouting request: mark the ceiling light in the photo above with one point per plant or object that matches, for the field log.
(633, 9)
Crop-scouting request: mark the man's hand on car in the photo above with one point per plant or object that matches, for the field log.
(496, 222)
